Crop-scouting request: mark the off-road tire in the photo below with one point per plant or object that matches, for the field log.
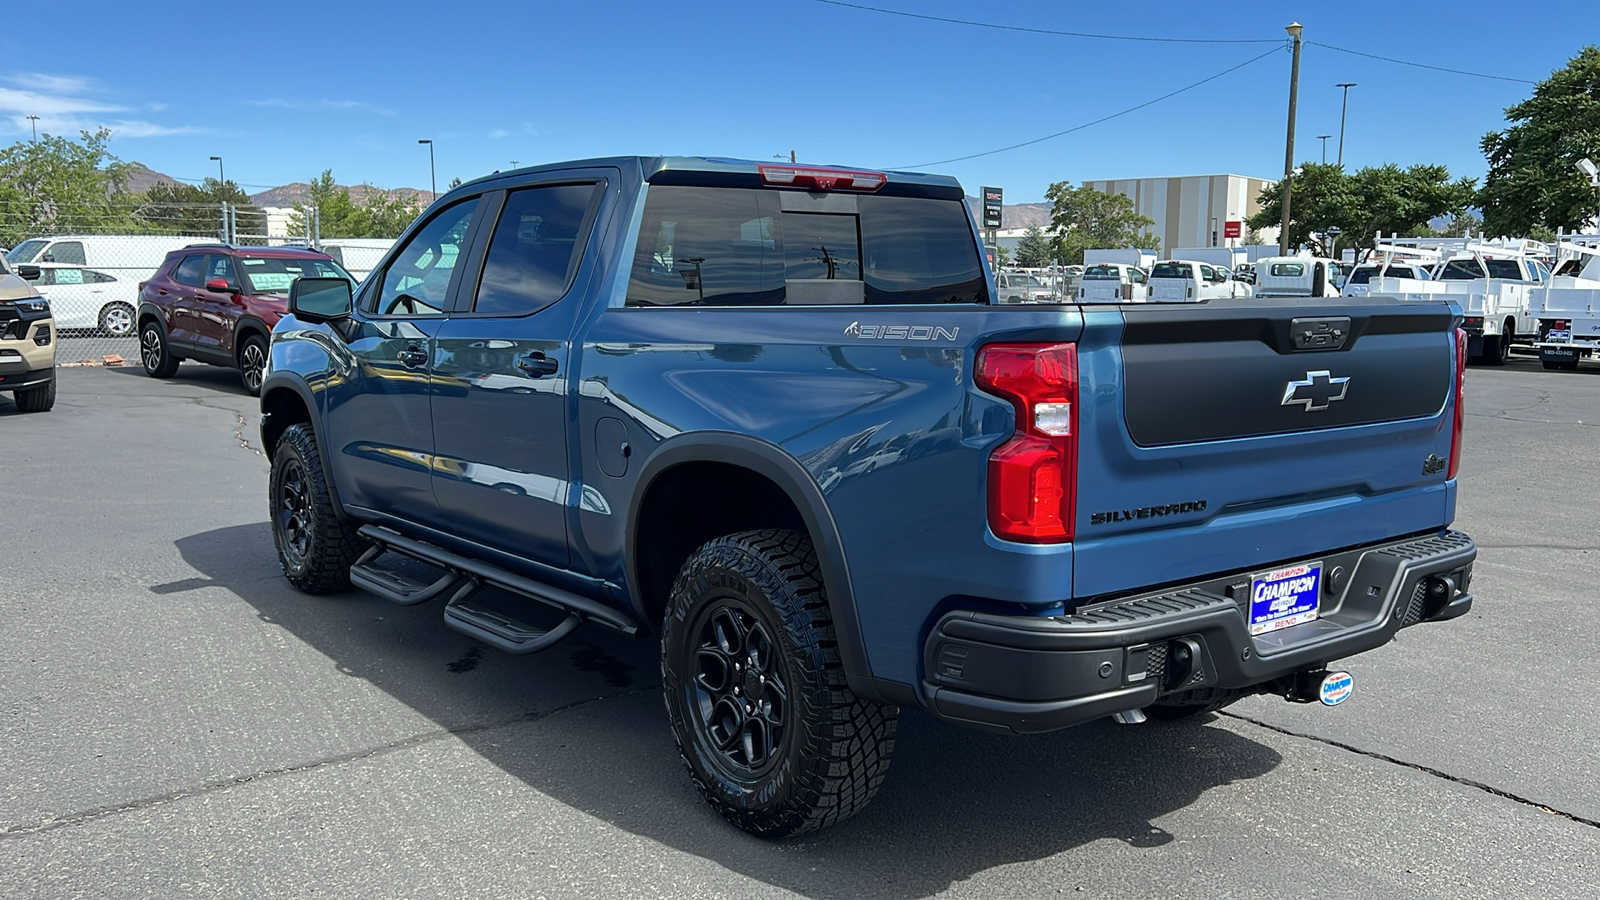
(154, 352)
(1185, 704)
(832, 749)
(315, 547)
(36, 399)
(253, 363)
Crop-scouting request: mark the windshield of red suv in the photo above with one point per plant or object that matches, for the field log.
(275, 274)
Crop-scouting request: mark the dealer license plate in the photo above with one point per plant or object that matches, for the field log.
(1284, 597)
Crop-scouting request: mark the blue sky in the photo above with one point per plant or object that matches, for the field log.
(285, 90)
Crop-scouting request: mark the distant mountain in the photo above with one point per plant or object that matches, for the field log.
(300, 192)
(1017, 215)
(142, 178)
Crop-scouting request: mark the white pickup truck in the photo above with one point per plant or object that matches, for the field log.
(1186, 281)
(1296, 276)
(1567, 307)
(1493, 286)
(1114, 283)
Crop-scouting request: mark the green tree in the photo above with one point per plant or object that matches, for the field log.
(1083, 218)
(1463, 224)
(1383, 198)
(339, 216)
(1034, 250)
(1533, 181)
(196, 209)
(60, 185)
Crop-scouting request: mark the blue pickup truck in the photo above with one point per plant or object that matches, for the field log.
(775, 416)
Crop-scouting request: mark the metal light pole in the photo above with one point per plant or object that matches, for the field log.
(1324, 139)
(1342, 110)
(433, 181)
(1294, 29)
(34, 121)
(221, 179)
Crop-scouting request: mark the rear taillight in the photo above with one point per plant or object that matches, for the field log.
(1033, 477)
(822, 179)
(1461, 384)
(1558, 325)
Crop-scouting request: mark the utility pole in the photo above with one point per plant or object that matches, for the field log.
(1324, 139)
(1294, 29)
(34, 121)
(1342, 110)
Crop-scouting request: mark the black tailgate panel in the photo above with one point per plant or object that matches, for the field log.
(1215, 372)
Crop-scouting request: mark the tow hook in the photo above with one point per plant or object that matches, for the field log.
(1319, 686)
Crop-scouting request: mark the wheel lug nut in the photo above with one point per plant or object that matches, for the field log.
(736, 691)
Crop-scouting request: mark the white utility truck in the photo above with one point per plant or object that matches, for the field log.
(1567, 306)
(1491, 281)
(1296, 276)
(1114, 283)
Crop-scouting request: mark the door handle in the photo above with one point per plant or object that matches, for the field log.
(537, 365)
(412, 356)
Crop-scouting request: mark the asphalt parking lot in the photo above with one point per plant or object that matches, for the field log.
(175, 721)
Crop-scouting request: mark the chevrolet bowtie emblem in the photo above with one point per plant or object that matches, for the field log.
(1317, 390)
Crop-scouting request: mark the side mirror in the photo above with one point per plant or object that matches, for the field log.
(28, 273)
(221, 286)
(320, 299)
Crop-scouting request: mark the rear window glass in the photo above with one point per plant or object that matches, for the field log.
(1288, 270)
(1461, 270)
(1506, 269)
(1102, 273)
(1170, 270)
(716, 246)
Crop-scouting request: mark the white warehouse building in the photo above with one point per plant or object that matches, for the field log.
(1188, 208)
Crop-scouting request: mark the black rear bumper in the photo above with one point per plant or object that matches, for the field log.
(1030, 674)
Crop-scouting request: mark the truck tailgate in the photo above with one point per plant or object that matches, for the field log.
(1221, 438)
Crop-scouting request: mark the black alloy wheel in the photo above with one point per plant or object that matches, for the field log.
(740, 695)
(291, 516)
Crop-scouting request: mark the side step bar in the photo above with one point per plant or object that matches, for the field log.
(464, 576)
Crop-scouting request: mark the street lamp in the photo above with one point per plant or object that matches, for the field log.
(220, 179)
(1342, 110)
(34, 121)
(1587, 167)
(1324, 139)
(1294, 29)
(433, 182)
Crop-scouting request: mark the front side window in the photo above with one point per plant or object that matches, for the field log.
(221, 267)
(417, 281)
(191, 271)
(741, 246)
(69, 252)
(534, 250)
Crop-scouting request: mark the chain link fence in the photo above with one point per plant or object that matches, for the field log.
(92, 264)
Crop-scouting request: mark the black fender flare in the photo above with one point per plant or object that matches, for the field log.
(283, 379)
(776, 465)
(146, 308)
(246, 326)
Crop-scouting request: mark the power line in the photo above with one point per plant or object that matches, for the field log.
(1163, 40)
(1077, 34)
(1401, 62)
(1114, 115)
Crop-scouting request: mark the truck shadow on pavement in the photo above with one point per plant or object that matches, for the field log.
(583, 724)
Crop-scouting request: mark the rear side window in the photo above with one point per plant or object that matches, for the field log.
(191, 271)
(1288, 270)
(743, 246)
(534, 249)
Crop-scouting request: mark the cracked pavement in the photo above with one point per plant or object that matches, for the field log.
(175, 721)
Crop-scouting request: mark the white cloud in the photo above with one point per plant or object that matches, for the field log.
(50, 84)
(325, 104)
(58, 106)
(497, 134)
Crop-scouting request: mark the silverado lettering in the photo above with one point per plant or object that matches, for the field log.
(1146, 512)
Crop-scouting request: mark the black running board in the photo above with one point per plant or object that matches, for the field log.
(470, 573)
(393, 586)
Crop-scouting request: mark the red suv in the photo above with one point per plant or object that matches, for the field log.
(217, 304)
